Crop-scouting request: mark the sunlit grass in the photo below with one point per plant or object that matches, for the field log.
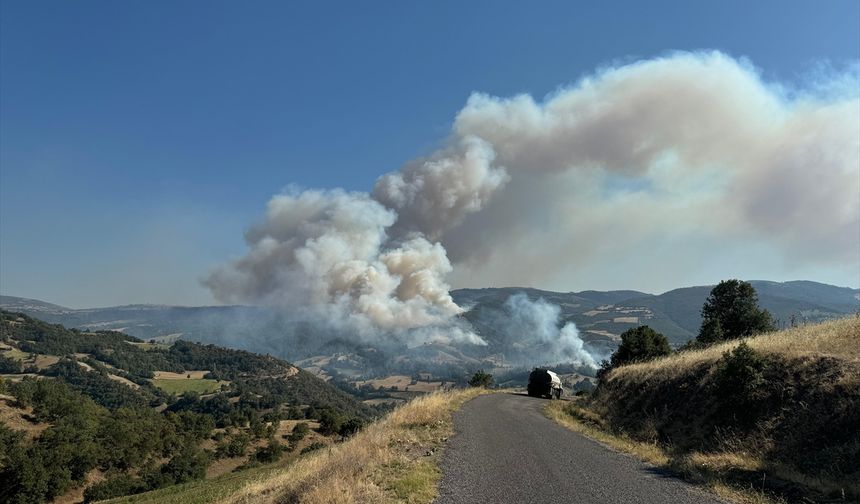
(393, 460)
(180, 386)
(840, 338)
(14, 353)
(729, 470)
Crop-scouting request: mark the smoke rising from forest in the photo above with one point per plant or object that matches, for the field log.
(693, 147)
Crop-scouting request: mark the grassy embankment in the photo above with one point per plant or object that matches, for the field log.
(393, 460)
(779, 425)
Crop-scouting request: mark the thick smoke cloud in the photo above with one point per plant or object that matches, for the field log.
(536, 325)
(434, 195)
(691, 147)
(685, 151)
(326, 255)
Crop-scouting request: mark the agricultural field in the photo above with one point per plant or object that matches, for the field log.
(183, 385)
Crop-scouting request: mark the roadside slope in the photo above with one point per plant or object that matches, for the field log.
(778, 413)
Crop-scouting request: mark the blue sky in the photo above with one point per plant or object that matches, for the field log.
(139, 139)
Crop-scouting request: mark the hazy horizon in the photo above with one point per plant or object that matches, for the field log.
(83, 307)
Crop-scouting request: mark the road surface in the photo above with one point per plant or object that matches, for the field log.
(507, 451)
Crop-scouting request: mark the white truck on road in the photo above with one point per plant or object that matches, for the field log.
(544, 383)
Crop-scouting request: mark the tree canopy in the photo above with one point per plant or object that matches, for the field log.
(731, 312)
(481, 379)
(640, 344)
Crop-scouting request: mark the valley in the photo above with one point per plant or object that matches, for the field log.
(600, 318)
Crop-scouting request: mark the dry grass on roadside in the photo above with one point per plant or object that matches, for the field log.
(836, 338)
(692, 468)
(393, 460)
(783, 431)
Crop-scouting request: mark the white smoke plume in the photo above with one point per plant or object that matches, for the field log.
(682, 152)
(536, 325)
(434, 195)
(326, 255)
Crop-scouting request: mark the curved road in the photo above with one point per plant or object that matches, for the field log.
(507, 451)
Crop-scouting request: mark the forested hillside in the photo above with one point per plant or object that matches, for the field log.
(91, 415)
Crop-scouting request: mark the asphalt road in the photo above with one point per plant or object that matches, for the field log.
(507, 451)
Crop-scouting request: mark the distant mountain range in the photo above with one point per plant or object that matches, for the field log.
(600, 316)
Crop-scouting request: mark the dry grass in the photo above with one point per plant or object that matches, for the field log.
(45, 361)
(584, 421)
(182, 385)
(398, 381)
(797, 445)
(838, 338)
(393, 460)
(425, 386)
(187, 375)
(19, 418)
(124, 381)
(14, 353)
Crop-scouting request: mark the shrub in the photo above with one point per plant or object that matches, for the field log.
(316, 445)
(294, 413)
(269, 453)
(115, 486)
(640, 344)
(235, 447)
(481, 379)
(350, 427)
(299, 432)
(740, 384)
(330, 422)
(9, 365)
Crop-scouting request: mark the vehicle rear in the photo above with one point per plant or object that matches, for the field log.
(544, 383)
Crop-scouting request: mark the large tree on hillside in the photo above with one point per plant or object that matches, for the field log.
(640, 344)
(731, 311)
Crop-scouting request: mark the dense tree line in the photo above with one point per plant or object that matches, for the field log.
(83, 436)
(96, 385)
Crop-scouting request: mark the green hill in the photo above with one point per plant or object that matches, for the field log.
(100, 414)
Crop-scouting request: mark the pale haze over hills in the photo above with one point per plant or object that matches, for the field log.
(598, 317)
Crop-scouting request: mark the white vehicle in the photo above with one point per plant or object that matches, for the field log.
(545, 383)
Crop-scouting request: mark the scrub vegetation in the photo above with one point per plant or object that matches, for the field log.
(96, 415)
(772, 417)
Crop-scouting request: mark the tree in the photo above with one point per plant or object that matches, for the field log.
(9, 365)
(640, 344)
(189, 464)
(330, 422)
(710, 332)
(731, 312)
(481, 379)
